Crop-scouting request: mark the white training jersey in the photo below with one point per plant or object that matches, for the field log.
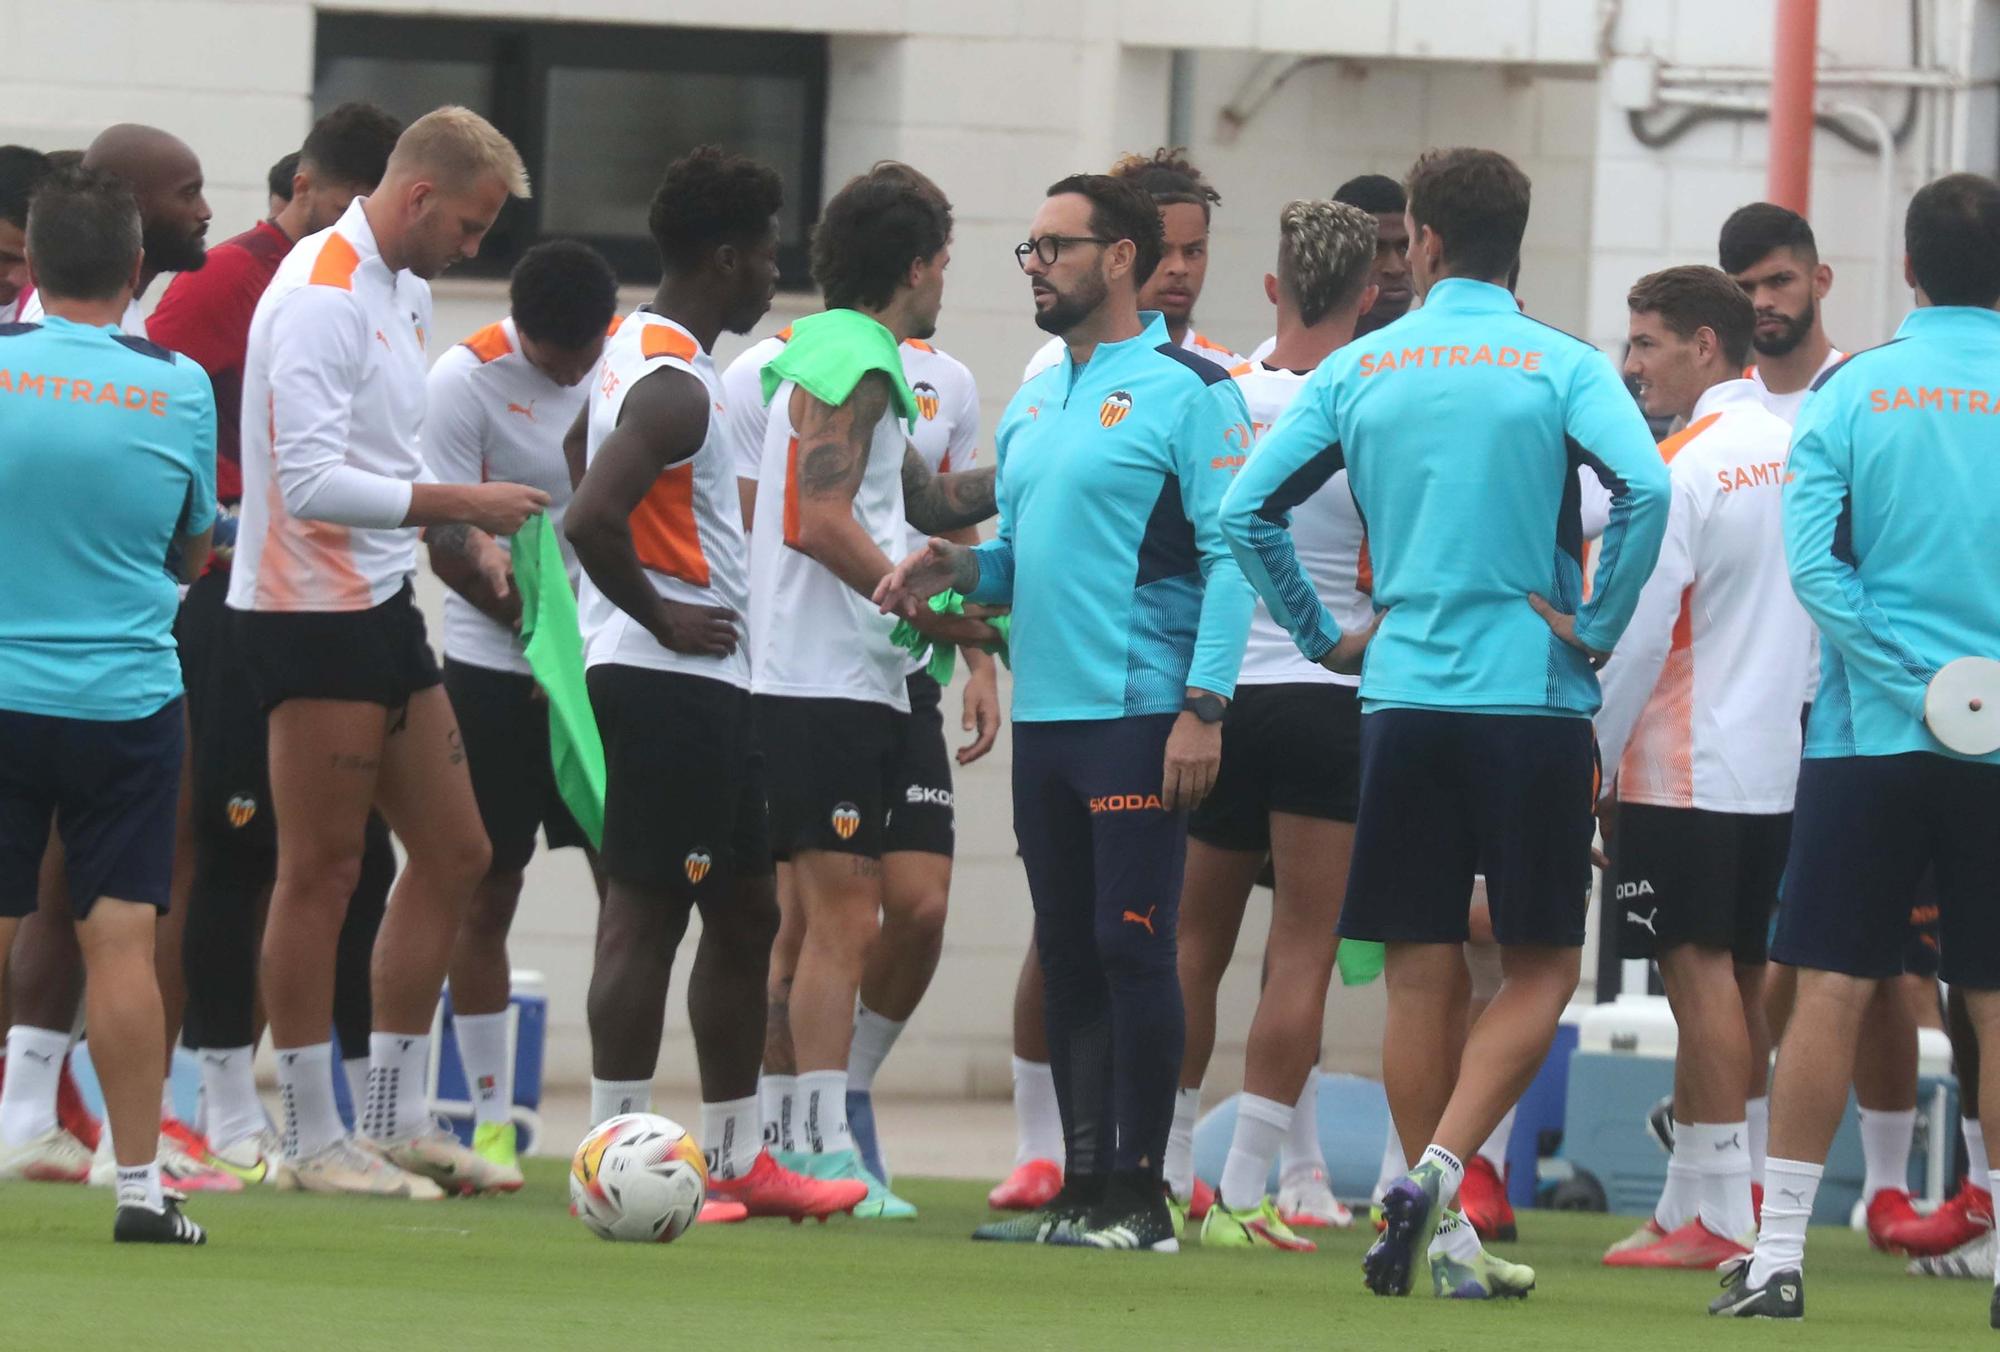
(1051, 354)
(688, 529)
(333, 416)
(811, 635)
(1701, 698)
(496, 417)
(1787, 406)
(1326, 533)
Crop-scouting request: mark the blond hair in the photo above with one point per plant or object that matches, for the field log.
(1325, 251)
(456, 146)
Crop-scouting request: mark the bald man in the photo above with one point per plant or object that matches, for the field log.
(165, 176)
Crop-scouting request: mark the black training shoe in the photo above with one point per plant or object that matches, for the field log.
(1782, 1297)
(1134, 1216)
(143, 1225)
(1064, 1215)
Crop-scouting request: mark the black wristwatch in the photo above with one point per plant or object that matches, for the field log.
(1208, 708)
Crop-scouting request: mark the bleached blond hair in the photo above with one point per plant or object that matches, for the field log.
(1325, 252)
(456, 146)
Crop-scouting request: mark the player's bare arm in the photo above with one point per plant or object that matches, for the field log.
(664, 422)
(471, 563)
(832, 459)
(496, 508)
(939, 504)
(576, 448)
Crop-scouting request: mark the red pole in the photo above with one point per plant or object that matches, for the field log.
(1794, 61)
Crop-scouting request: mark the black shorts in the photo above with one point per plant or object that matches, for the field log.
(1292, 748)
(921, 811)
(1863, 833)
(1447, 794)
(228, 747)
(683, 806)
(835, 766)
(1688, 876)
(111, 789)
(376, 656)
(505, 725)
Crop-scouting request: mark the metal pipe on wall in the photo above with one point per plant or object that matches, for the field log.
(1794, 66)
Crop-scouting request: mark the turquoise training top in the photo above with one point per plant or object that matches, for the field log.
(1892, 511)
(1461, 427)
(1110, 477)
(107, 454)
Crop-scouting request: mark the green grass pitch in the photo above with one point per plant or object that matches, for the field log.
(297, 1274)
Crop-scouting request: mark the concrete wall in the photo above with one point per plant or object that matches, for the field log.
(998, 98)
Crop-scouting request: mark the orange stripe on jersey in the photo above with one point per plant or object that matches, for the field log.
(305, 560)
(792, 492)
(616, 320)
(1660, 757)
(490, 343)
(919, 344)
(1364, 567)
(785, 334)
(336, 264)
(1200, 341)
(1671, 447)
(1241, 369)
(658, 340)
(664, 534)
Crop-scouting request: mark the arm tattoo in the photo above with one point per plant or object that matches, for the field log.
(935, 503)
(453, 538)
(833, 442)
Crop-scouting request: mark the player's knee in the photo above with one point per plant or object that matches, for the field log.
(325, 877)
(920, 914)
(493, 907)
(1131, 949)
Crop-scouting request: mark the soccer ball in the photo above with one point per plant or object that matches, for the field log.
(638, 1177)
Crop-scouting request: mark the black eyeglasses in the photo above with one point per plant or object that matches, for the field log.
(1049, 247)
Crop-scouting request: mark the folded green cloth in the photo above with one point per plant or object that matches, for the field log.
(1360, 961)
(944, 656)
(555, 654)
(828, 354)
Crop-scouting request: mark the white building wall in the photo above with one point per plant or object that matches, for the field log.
(996, 99)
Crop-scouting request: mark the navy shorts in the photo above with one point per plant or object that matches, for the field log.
(109, 787)
(1690, 876)
(1293, 748)
(1097, 841)
(1445, 795)
(1864, 831)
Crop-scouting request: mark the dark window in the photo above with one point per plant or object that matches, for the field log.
(598, 112)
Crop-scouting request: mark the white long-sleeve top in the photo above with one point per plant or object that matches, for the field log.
(333, 415)
(1702, 695)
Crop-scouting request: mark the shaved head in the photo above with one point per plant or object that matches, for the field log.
(165, 177)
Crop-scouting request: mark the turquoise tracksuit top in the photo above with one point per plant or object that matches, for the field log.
(1892, 510)
(1461, 427)
(1110, 477)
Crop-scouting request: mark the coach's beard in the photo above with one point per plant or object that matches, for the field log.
(1795, 331)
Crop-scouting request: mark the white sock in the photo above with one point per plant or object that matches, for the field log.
(489, 1071)
(396, 1110)
(1301, 1149)
(34, 1067)
(1456, 1239)
(1178, 1165)
(305, 1083)
(1494, 1151)
(729, 1134)
(1261, 1125)
(1723, 1157)
(140, 1186)
(167, 1099)
(1451, 1167)
(1975, 1148)
(1680, 1199)
(1885, 1150)
(823, 1111)
(355, 1070)
(1394, 1162)
(775, 1097)
(873, 1037)
(615, 1098)
(1789, 1189)
(1038, 1133)
(1757, 1112)
(229, 1084)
